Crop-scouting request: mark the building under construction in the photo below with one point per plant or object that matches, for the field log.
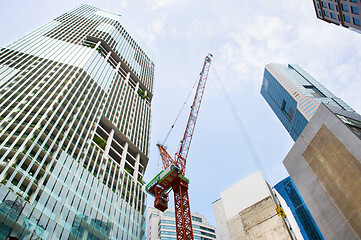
(250, 209)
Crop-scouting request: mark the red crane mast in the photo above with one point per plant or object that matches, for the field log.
(172, 177)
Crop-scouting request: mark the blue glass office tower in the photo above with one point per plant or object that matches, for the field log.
(290, 194)
(294, 96)
(75, 107)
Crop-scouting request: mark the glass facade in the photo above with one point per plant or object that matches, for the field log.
(294, 96)
(287, 189)
(162, 225)
(74, 129)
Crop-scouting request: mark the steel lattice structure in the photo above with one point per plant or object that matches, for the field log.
(172, 177)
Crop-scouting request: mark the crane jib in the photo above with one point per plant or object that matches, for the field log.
(181, 156)
(172, 177)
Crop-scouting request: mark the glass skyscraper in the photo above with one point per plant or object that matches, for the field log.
(74, 129)
(294, 96)
(287, 189)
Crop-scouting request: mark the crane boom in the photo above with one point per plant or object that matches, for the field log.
(181, 155)
(172, 177)
(166, 158)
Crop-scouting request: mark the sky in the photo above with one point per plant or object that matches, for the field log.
(243, 37)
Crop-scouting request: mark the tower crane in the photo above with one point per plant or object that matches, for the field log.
(172, 177)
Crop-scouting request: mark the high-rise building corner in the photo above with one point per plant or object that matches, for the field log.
(327, 133)
(294, 96)
(344, 13)
(75, 114)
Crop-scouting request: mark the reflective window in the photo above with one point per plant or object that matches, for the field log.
(197, 219)
(314, 91)
(168, 233)
(50, 227)
(344, 7)
(356, 21)
(346, 18)
(3, 192)
(43, 221)
(65, 234)
(167, 222)
(43, 198)
(169, 214)
(57, 209)
(57, 189)
(208, 229)
(354, 9)
(167, 227)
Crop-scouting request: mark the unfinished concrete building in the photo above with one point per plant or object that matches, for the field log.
(247, 210)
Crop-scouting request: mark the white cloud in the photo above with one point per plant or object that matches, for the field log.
(123, 3)
(158, 24)
(150, 31)
(159, 4)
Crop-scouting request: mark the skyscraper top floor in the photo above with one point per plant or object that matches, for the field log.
(116, 36)
(294, 96)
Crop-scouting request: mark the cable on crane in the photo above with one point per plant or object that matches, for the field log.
(248, 141)
(171, 128)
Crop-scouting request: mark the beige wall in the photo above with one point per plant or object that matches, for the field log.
(339, 172)
(260, 221)
(325, 165)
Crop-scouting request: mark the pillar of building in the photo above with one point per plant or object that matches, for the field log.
(124, 156)
(136, 167)
(109, 142)
(127, 77)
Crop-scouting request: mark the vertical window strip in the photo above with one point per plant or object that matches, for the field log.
(33, 147)
(116, 99)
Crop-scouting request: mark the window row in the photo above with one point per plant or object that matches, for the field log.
(344, 7)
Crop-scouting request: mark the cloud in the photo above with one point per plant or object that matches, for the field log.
(123, 3)
(150, 31)
(159, 4)
(157, 25)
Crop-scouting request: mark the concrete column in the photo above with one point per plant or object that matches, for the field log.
(136, 167)
(108, 55)
(118, 66)
(145, 92)
(127, 77)
(124, 155)
(107, 146)
(137, 86)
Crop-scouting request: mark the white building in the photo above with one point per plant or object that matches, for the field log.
(247, 210)
(74, 129)
(162, 226)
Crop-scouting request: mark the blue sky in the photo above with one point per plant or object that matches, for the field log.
(243, 36)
